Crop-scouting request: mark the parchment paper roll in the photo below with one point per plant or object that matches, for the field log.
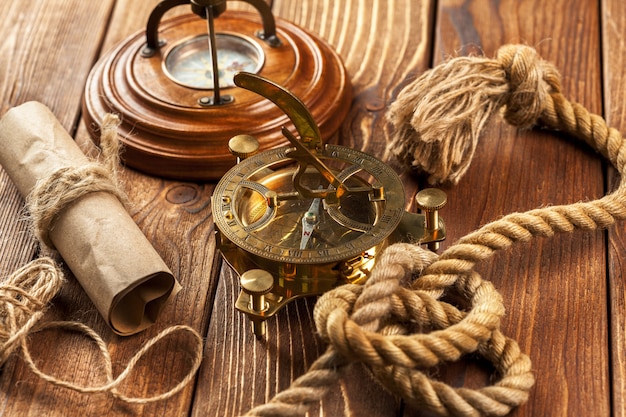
(108, 254)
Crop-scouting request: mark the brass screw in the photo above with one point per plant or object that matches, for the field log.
(243, 146)
(271, 197)
(256, 283)
(431, 200)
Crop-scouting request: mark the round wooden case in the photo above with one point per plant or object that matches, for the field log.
(168, 129)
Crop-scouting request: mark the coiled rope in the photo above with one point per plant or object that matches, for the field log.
(397, 324)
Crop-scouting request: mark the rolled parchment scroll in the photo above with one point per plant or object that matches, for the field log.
(108, 254)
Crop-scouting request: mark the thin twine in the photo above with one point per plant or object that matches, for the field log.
(113, 383)
(53, 194)
(25, 294)
(396, 324)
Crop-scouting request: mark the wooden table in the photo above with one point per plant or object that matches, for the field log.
(564, 296)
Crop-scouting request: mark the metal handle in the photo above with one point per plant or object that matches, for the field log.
(199, 6)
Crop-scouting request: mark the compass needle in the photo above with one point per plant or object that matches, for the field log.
(310, 220)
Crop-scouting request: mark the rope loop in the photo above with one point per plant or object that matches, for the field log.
(397, 332)
(400, 324)
(26, 293)
(24, 296)
(397, 353)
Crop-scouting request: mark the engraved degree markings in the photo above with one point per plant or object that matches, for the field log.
(357, 162)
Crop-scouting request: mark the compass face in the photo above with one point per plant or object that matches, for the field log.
(190, 63)
(258, 208)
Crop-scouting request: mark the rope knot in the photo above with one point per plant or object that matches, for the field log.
(377, 304)
(531, 80)
(398, 331)
(438, 118)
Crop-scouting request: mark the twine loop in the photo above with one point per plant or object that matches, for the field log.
(112, 383)
(23, 299)
(53, 194)
(25, 294)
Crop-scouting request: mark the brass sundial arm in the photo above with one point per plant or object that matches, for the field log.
(309, 146)
(305, 158)
(291, 105)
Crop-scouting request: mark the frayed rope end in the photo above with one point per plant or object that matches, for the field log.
(438, 117)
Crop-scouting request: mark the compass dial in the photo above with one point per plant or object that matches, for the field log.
(190, 64)
(257, 207)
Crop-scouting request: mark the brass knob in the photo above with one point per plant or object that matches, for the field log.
(256, 283)
(430, 201)
(243, 146)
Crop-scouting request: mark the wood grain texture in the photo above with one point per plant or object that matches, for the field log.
(614, 43)
(554, 290)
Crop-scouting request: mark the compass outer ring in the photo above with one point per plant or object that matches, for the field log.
(228, 225)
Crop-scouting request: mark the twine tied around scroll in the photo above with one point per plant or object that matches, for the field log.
(397, 325)
(25, 294)
(51, 195)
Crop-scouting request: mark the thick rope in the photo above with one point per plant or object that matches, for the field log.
(25, 294)
(439, 117)
(398, 326)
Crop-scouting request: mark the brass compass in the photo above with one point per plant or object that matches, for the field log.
(172, 85)
(301, 219)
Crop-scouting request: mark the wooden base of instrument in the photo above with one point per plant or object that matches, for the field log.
(168, 133)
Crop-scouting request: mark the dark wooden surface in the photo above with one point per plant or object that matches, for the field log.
(564, 296)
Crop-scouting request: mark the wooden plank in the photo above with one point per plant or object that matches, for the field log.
(613, 43)
(554, 290)
(56, 79)
(174, 216)
(35, 67)
(240, 372)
